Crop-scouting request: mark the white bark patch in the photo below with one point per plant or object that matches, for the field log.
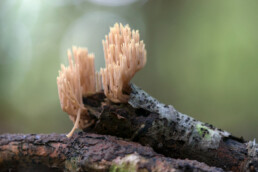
(189, 130)
(252, 148)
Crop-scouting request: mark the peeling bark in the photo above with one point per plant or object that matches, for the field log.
(85, 152)
(147, 121)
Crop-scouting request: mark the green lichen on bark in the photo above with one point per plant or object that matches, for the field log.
(204, 131)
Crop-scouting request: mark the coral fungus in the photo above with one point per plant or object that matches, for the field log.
(75, 81)
(124, 53)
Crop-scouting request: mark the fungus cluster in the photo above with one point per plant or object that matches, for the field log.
(124, 54)
(75, 81)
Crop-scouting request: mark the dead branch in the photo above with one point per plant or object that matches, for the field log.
(169, 132)
(85, 152)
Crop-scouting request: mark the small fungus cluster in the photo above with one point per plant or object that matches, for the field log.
(124, 54)
(75, 81)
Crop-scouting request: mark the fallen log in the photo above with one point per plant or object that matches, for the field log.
(145, 120)
(85, 152)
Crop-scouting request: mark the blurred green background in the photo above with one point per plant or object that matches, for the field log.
(202, 57)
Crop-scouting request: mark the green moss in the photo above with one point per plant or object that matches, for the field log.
(124, 167)
(203, 131)
(71, 164)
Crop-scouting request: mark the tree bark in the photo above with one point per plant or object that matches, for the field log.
(85, 152)
(145, 120)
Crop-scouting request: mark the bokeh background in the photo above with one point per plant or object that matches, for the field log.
(202, 57)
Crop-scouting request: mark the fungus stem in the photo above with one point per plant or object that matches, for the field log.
(75, 124)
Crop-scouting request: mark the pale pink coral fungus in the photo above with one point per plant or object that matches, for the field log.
(124, 54)
(75, 81)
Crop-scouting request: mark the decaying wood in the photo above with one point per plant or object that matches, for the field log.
(170, 132)
(85, 152)
(144, 120)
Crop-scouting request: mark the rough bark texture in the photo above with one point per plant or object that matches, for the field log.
(144, 120)
(177, 136)
(85, 152)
